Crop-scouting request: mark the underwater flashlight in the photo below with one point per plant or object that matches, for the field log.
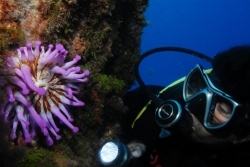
(113, 153)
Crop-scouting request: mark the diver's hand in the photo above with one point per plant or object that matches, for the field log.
(137, 149)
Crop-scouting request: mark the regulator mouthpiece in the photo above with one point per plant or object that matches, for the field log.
(168, 113)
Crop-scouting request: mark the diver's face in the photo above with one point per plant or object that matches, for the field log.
(199, 134)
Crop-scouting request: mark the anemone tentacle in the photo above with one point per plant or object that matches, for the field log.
(40, 85)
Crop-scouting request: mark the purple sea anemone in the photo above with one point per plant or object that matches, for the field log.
(39, 85)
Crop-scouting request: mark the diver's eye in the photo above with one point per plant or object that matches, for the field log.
(221, 113)
(224, 109)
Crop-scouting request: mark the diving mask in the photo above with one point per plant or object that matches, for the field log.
(205, 99)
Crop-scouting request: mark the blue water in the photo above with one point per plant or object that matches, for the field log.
(207, 26)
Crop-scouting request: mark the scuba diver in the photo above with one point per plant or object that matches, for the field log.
(200, 120)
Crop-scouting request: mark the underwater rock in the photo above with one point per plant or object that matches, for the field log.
(106, 35)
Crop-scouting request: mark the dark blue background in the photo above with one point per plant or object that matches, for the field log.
(207, 26)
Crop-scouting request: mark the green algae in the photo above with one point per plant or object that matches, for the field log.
(38, 158)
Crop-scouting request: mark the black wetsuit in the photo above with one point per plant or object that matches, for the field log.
(175, 150)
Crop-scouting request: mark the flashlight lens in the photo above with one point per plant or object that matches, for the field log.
(108, 152)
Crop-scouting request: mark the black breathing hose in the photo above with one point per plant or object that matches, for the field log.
(157, 101)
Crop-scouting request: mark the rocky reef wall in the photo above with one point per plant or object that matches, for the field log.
(106, 34)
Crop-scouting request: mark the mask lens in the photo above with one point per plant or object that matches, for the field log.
(211, 106)
(197, 106)
(221, 111)
(194, 84)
